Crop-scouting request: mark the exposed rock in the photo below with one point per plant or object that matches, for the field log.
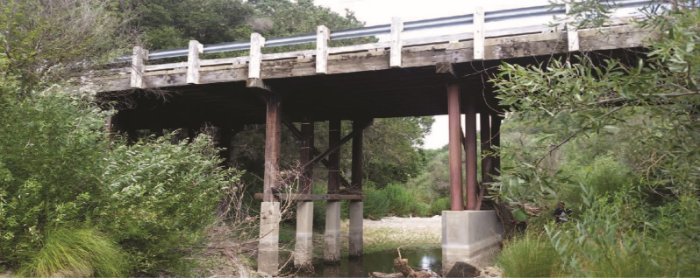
(386, 275)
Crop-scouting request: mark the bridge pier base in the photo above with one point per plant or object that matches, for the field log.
(355, 229)
(331, 252)
(303, 248)
(469, 238)
(268, 246)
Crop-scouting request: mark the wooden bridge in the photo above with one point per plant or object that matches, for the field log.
(396, 77)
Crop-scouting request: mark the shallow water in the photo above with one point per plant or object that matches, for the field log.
(383, 261)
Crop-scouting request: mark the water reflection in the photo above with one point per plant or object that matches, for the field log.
(426, 259)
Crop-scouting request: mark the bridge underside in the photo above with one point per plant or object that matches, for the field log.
(455, 89)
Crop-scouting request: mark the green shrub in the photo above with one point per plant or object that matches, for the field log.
(440, 204)
(376, 203)
(51, 153)
(76, 253)
(531, 255)
(162, 196)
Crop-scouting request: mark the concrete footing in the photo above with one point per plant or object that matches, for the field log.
(303, 248)
(355, 230)
(268, 246)
(331, 252)
(469, 238)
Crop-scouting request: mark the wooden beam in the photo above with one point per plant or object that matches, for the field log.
(257, 41)
(571, 31)
(479, 39)
(313, 197)
(332, 149)
(334, 130)
(396, 43)
(272, 146)
(470, 137)
(322, 37)
(137, 67)
(305, 155)
(357, 157)
(195, 49)
(314, 151)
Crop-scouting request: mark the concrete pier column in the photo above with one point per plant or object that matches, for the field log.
(268, 245)
(355, 237)
(455, 148)
(303, 248)
(331, 252)
(469, 238)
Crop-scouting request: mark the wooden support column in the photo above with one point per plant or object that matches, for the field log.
(470, 137)
(268, 245)
(305, 155)
(486, 156)
(331, 251)
(356, 208)
(138, 67)
(334, 156)
(455, 150)
(496, 144)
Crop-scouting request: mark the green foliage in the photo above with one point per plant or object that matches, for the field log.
(149, 184)
(617, 139)
(530, 255)
(76, 253)
(43, 40)
(50, 158)
(393, 200)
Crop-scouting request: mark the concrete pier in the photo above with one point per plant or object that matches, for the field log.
(303, 248)
(355, 230)
(268, 246)
(331, 252)
(471, 237)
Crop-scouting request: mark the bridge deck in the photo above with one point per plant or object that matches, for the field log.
(359, 81)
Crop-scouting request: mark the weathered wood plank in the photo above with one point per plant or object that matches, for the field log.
(256, 43)
(137, 66)
(322, 37)
(195, 49)
(479, 33)
(571, 32)
(369, 58)
(396, 43)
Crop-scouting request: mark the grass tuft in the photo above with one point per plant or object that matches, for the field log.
(530, 255)
(76, 253)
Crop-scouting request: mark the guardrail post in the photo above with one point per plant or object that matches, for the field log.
(322, 37)
(257, 41)
(138, 66)
(479, 33)
(396, 43)
(195, 49)
(571, 31)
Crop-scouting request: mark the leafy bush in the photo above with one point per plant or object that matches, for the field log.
(76, 253)
(50, 160)
(162, 196)
(440, 204)
(531, 255)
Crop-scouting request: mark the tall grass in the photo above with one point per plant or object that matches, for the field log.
(530, 255)
(76, 253)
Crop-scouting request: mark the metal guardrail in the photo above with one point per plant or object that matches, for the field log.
(490, 16)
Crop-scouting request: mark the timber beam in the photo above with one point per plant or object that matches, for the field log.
(330, 150)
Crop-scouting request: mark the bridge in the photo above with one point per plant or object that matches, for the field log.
(234, 84)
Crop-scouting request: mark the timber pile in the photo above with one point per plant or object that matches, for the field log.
(404, 270)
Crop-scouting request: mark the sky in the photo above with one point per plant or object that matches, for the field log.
(374, 12)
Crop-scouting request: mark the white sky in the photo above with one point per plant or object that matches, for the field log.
(374, 12)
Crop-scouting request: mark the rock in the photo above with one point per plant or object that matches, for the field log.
(386, 275)
(491, 272)
(462, 269)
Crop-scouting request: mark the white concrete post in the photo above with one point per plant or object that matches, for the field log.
(268, 246)
(195, 48)
(303, 248)
(322, 37)
(331, 252)
(396, 43)
(479, 36)
(138, 59)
